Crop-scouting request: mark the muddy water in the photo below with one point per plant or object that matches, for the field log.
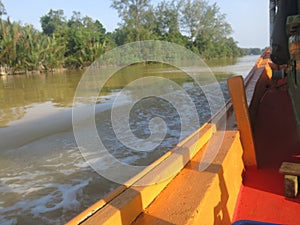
(43, 177)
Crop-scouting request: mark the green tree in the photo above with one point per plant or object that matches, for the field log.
(55, 27)
(192, 16)
(120, 36)
(208, 29)
(252, 51)
(167, 17)
(86, 40)
(29, 48)
(137, 19)
(199, 18)
(77, 42)
(54, 21)
(2, 10)
(10, 37)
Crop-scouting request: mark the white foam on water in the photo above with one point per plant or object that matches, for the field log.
(8, 221)
(64, 197)
(68, 194)
(43, 178)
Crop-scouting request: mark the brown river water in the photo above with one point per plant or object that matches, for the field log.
(44, 178)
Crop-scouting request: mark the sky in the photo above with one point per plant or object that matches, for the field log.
(249, 19)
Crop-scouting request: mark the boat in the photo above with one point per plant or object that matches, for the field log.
(254, 177)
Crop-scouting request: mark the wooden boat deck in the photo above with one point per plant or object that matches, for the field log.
(193, 194)
(261, 195)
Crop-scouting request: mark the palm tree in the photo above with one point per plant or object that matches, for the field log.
(10, 35)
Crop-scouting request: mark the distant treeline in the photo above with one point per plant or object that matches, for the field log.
(252, 51)
(77, 41)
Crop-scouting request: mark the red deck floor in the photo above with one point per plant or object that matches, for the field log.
(261, 195)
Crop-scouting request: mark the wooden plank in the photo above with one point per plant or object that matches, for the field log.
(238, 97)
(289, 168)
(195, 197)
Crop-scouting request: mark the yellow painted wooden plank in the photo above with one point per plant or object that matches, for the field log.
(240, 106)
(201, 197)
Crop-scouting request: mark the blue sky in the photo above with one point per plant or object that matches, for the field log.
(248, 18)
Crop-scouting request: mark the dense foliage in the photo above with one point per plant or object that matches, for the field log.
(78, 41)
(252, 51)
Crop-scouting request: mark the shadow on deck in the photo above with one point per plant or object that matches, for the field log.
(275, 135)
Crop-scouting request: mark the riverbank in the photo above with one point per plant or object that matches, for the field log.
(217, 65)
(5, 71)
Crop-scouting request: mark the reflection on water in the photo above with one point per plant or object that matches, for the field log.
(242, 66)
(22, 94)
(43, 177)
(19, 94)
